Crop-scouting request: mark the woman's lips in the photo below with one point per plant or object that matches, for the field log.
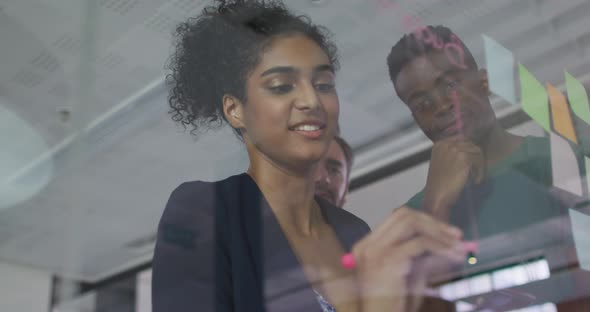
(311, 134)
(312, 130)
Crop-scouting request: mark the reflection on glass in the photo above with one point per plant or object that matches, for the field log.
(500, 65)
(496, 280)
(581, 232)
(26, 165)
(72, 66)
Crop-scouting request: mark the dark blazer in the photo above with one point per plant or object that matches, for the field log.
(220, 248)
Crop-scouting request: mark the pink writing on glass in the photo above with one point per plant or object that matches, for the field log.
(386, 4)
(453, 50)
(457, 113)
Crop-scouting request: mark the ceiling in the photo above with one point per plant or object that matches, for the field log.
(91, 155)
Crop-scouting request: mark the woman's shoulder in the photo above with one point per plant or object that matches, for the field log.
(200, 197)
(192, 210)
(198, 189)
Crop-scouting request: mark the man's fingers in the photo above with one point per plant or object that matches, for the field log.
(472, 156)
(465, 146)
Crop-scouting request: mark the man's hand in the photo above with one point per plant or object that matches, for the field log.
(453, 162)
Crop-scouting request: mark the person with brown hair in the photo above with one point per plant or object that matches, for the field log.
(333, 176)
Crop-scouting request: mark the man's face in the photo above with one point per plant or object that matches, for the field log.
(444, 99)
(332, 176)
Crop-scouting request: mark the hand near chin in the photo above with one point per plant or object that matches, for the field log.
(454, 161)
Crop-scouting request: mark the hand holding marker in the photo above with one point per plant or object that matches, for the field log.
(349, 262)
(456, 56)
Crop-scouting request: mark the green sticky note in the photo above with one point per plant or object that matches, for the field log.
(578, 98)
(534, 98)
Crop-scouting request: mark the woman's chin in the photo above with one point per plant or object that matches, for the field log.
(310, 157)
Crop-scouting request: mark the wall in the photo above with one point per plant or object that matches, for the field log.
(143, 298)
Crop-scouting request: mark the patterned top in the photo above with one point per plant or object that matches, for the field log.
(326, 306)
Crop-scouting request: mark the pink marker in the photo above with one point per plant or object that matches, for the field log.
(348, 262)
(471, 246)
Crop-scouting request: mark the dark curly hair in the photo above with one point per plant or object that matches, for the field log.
(410, 47)
(215, 52)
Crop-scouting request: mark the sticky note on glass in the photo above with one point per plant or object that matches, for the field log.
(500, 67)
(534, 98)
(581, 232)
(564, 166)
(578, 97)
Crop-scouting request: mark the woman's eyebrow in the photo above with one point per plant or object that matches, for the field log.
(279, 70)
(293, 70)
(324, 67)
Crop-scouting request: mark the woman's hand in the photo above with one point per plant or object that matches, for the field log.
(387, 259)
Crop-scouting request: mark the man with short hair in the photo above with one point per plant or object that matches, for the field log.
(334, 172)
(474, 161)
(481, 178)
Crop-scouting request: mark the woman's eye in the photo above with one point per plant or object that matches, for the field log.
(281, 89)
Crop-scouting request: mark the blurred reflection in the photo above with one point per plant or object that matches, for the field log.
(88, 157)
(26, 166)
(26, 161)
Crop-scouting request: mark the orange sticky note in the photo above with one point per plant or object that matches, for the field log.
(562, 120)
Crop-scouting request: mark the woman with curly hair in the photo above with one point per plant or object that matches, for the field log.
(261, 241)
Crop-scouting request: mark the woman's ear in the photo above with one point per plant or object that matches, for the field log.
(232, 109)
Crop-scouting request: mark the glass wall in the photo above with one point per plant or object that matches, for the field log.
(482, 122)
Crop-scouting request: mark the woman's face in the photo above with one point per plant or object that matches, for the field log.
(292, 107)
